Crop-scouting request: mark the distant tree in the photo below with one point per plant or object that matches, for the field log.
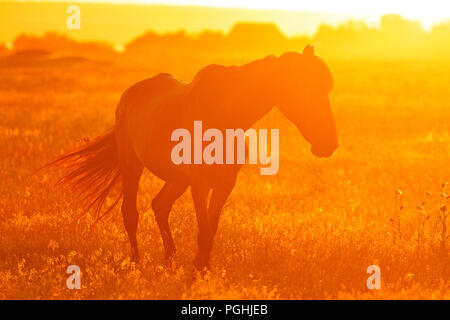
(54, 42)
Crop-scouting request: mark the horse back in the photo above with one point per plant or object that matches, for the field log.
(149, 94)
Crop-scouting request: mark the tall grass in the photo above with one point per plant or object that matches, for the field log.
(308, 232)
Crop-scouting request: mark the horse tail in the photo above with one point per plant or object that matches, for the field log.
(92, 171)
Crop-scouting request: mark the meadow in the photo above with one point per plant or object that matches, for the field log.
(308, 232)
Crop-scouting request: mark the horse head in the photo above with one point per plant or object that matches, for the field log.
(303, 84)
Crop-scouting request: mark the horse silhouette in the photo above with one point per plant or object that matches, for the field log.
(221, 97)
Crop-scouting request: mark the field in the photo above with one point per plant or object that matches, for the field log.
(308, 232)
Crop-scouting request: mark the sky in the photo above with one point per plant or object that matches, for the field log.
(420, 9)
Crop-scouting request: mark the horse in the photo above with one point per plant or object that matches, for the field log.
(298, 84)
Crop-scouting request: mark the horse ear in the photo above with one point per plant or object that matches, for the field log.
(308, 51)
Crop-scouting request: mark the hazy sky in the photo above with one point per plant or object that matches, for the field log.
(428, 9)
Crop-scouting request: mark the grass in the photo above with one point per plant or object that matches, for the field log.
(308, 232)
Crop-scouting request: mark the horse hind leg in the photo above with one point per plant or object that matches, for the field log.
(162, 205)
(131, 171)
(130, 213)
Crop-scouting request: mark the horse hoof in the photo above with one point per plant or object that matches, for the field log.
(200, 265)
(169, 255)
(135, 258)
(169, 262)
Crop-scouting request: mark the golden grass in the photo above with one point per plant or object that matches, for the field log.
(308, 232)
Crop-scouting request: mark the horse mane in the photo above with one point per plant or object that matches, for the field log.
(208, 73)
(314, 65)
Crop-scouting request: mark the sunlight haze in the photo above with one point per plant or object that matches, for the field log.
(119, 21)
(423, 10)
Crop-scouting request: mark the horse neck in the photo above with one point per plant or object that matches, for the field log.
(256, 92)
(236, 97)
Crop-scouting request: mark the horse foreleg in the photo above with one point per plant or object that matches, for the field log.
(162, 205)
(208, 217)
(204, 239)
(219, 196)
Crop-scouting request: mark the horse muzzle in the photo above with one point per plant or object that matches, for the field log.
(324, 151)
